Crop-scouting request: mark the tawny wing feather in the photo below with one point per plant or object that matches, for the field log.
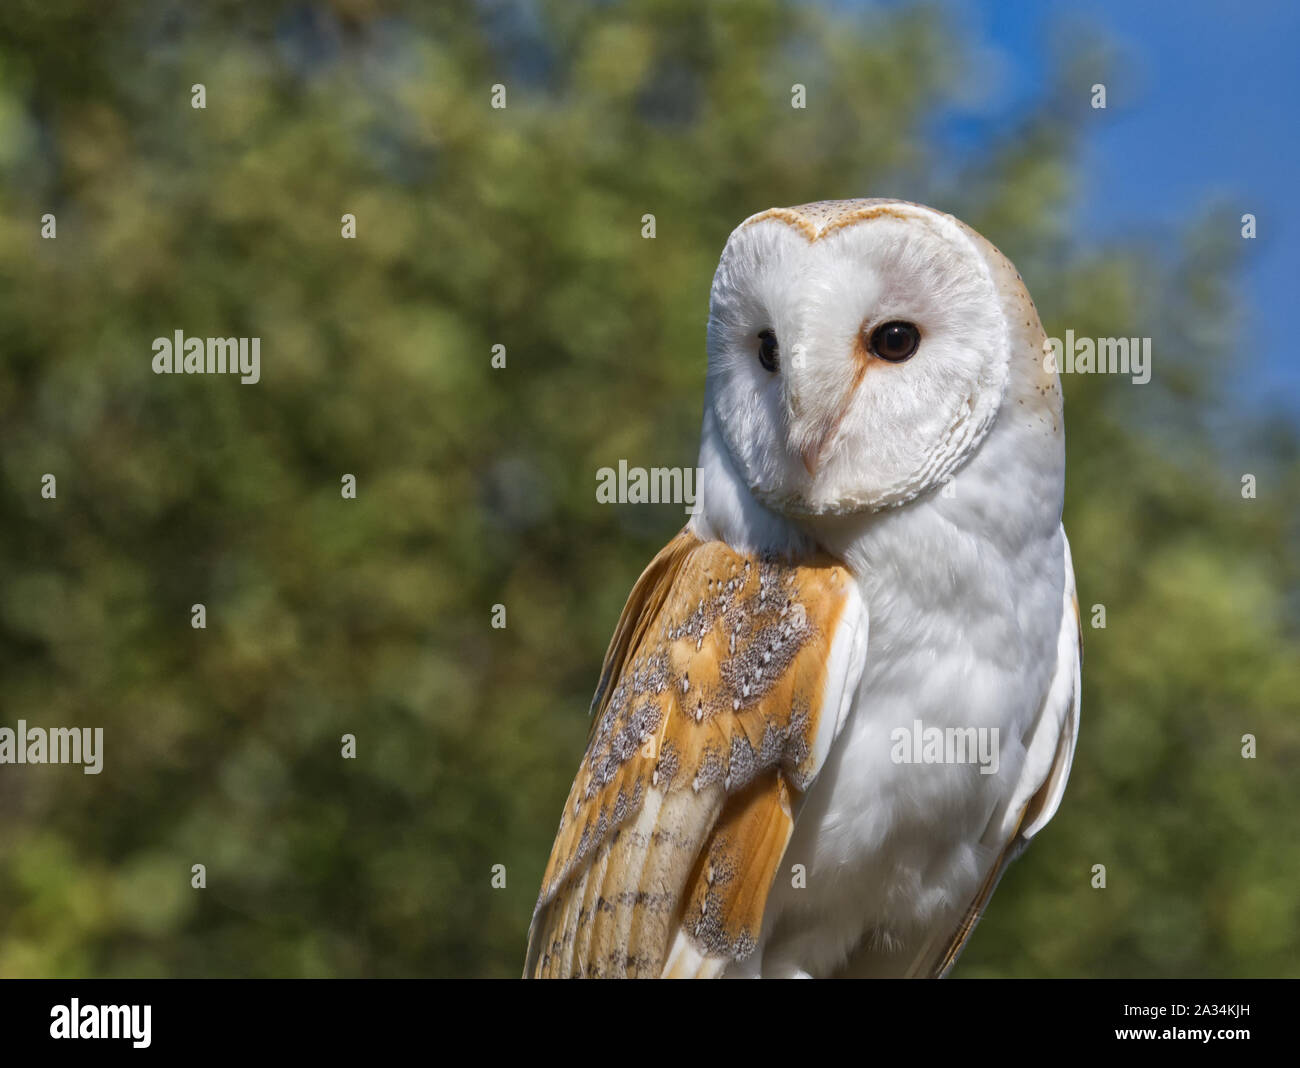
(723, 686)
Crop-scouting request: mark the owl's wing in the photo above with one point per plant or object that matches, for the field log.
(726, 681)
(1046, 768)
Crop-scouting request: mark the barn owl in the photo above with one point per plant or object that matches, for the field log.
(846, 695)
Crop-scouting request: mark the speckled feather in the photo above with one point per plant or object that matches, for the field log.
(706, 730)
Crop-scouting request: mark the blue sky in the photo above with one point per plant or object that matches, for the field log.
(1204, 104)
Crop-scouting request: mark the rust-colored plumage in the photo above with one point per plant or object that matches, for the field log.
(707, 728)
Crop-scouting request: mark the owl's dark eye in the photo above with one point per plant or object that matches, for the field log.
(769, 352)
(895, 341)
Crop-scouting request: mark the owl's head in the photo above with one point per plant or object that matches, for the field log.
(859, 352)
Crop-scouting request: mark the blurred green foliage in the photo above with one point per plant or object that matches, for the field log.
(522, 227)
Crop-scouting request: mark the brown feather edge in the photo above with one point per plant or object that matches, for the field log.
(1013, 849)
(649, 594)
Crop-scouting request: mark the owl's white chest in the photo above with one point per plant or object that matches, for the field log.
(893, 836)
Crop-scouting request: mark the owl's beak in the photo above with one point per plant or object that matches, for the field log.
(814, 452)
(820, 406)
(823, 432)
